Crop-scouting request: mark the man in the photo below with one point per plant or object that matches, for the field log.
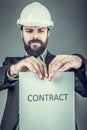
(35, 24)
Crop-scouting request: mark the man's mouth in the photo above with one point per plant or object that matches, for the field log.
(35, 41)
(35, 45)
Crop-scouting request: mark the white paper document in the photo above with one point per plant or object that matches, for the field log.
(46, 105)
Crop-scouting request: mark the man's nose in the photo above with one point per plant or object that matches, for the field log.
(35, 34)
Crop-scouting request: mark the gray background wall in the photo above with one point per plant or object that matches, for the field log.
(68, 36)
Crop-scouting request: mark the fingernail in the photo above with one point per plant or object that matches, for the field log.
(46, 75)
(50, 75)
(50, 78)
(40, 75)
(60, 70)
(34, 70)
(54, 66)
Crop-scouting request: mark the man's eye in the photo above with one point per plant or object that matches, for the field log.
(29, 31)
(40, 31)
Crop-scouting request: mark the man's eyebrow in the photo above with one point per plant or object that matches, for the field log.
(28, 28)
(41, 27)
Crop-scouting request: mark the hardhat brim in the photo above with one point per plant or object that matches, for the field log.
(51, 24)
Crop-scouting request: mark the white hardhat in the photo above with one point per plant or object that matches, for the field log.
(35, 14)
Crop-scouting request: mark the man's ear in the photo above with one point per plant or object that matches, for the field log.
(21, 34)
(49, 33)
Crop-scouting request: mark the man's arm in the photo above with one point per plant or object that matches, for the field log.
(4, 82)
(81, 78)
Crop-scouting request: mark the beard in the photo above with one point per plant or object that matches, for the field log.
(35, 52)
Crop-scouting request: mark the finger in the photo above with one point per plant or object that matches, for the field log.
(35, 69)
(52, 71)
(45, 71)
(29, 66)
(62, 68)
(53, 68)
(51, 75)
(43, 65)
(23, 66)
(54, 65)
(65, 67)
(38, 67)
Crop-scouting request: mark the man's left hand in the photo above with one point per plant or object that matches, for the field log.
(63, 63)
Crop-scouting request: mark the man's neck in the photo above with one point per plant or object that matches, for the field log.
(42, 56)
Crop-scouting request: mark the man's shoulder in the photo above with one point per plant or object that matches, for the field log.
(12, 59)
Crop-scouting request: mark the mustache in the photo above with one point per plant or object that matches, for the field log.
(35, 41)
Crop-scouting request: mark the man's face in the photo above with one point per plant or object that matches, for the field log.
(35, 39)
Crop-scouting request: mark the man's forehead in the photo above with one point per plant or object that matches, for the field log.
(34, 27)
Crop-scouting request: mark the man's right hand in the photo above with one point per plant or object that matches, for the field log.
(30, 64)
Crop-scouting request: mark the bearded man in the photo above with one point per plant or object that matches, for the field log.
(35, 25)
